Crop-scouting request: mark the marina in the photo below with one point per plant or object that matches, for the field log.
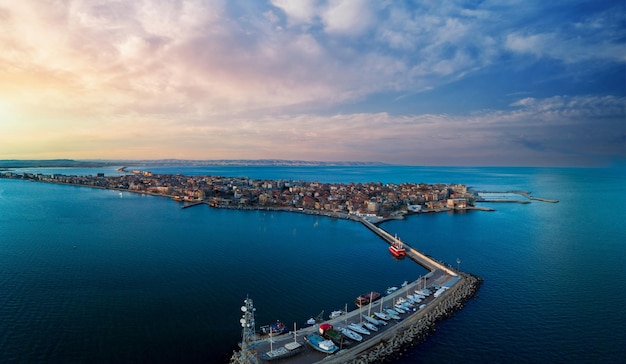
(378, 325)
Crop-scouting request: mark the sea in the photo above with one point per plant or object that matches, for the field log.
(94, 276)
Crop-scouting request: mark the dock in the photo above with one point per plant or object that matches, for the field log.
(456, 288)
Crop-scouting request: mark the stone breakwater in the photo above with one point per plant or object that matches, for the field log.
(414, 333)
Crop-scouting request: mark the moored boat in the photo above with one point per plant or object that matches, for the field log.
(274, 329)
(370, 326)
(350, 334)
(382, 316)
(365, 299)
(358, 328)
(336, 314)
(288, 350)
(320, 344)
(391, 290)
(372, 320)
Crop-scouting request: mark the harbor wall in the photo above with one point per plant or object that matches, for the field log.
(413, 330)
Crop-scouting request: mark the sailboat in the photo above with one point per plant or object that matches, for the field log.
(285, 351)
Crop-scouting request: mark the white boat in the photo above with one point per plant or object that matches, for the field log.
(372, 320)
(382, 316)
(358, 328)
(336, 314)
(370, 326)
(399, 308)
(392, 313)
(350, 334)
(285, 351)
(391, 290)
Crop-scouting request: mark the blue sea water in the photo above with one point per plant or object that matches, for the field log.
(89, 276)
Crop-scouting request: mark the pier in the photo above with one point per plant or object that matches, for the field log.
(454, 289)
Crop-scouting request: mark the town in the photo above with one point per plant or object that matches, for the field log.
(372, 199)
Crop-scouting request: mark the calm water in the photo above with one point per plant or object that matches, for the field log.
(89, 276)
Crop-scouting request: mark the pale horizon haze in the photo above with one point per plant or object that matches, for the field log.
(518, 83)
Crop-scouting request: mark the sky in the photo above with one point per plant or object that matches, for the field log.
(507, 82)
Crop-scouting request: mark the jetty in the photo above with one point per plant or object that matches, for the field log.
(449, 290)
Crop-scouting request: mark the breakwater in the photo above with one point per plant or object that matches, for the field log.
(391, 342)
(416, 330)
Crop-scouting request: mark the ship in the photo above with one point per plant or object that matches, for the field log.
(397, 249)
(365, 299)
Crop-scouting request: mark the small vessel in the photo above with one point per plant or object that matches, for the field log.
(274, 329)
(370, 326)
(328, 331)
(314, 320)
(391, 290)
(288, 350)
(350, 334)
(365, 299)
(371, 320)
(398, 308)
(397, 249)
(382, 316)
(358, 328)
(392, 313)
(320, 344)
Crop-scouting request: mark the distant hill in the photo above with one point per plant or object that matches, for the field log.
(14, 163)
(32, 163)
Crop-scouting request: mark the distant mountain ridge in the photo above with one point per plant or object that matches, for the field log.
(14, 163)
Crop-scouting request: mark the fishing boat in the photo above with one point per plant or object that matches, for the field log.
(320, 344)
(274, 329)
(288, 350)
(365, 299)
(328, 332)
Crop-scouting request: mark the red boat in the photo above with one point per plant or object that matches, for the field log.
(365, 299)
(397, 249)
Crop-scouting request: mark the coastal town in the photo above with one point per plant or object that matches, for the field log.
(373, 199)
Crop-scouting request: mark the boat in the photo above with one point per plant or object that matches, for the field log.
(314, 320)
(350, 334)
(328, 332)
(365, 299)
(288, 350)
(274, 329)
(336, 314)
(398, 308)
(392, 313)
(370, 326)
(358, 328)
(391, 290)
(320, 344)
(397, 249)
(371, 320)
(382, 316)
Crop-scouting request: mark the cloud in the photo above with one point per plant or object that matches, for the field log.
(214, 73)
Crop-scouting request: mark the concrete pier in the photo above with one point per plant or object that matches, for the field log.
(389, 340)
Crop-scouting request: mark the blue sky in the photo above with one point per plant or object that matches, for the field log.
(416, 83)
